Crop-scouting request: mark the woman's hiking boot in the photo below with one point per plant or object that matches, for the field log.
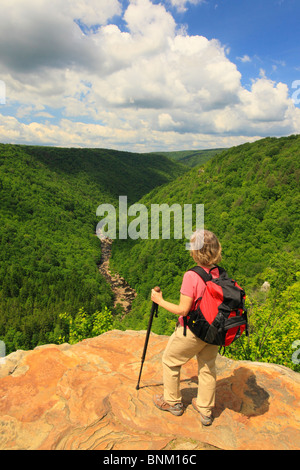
(160, 403)
(205, 420)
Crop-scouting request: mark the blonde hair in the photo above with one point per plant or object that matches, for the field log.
(205, 248)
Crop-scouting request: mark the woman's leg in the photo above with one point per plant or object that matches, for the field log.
(180, 349)
(207, 379)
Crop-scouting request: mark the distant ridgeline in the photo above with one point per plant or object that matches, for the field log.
(49, 281)
(191, 158)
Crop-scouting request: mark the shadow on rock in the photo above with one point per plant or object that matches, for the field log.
(238, 392)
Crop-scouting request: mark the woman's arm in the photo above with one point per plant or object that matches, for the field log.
(183, 308)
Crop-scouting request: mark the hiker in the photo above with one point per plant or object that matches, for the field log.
(181, 348)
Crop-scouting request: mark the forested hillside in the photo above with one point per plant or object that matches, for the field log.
(251, 199)
(191, 158)
(49, 251)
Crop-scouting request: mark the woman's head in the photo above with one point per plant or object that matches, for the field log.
(205, 248)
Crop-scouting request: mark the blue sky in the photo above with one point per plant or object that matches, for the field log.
(267, 31)
(145, 75)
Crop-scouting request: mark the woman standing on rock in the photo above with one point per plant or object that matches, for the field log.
(180, 349)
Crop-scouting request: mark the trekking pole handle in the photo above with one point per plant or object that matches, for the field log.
(154, 305)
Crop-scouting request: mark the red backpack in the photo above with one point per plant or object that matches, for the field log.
(219, 316)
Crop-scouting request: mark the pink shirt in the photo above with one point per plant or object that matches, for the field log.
(193, 286)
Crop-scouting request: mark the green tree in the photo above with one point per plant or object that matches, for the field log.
(84, 326)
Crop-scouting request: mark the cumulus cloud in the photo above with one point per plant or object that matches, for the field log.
(88, 73)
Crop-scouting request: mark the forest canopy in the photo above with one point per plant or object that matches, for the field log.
(49, 251)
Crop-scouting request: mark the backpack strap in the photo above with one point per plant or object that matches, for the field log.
(185, 319)
(184, 325)
(207, 276)
(202, 273)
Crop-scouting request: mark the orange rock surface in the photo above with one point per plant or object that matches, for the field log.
(84, 396)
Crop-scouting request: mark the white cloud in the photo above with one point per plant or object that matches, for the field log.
(244, 59)
(181, 5)
(147, 19)
(93, 12)
(266, 102)
(150, 85)
(36, 34)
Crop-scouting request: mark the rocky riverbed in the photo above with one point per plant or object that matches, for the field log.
(123, 293)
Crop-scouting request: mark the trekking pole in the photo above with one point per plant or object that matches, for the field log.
(154, 309)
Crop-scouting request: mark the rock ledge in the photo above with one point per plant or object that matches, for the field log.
(83, 397)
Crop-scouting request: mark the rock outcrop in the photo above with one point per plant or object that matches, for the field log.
(84, 396)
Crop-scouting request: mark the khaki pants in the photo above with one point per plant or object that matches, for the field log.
(180, 349)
